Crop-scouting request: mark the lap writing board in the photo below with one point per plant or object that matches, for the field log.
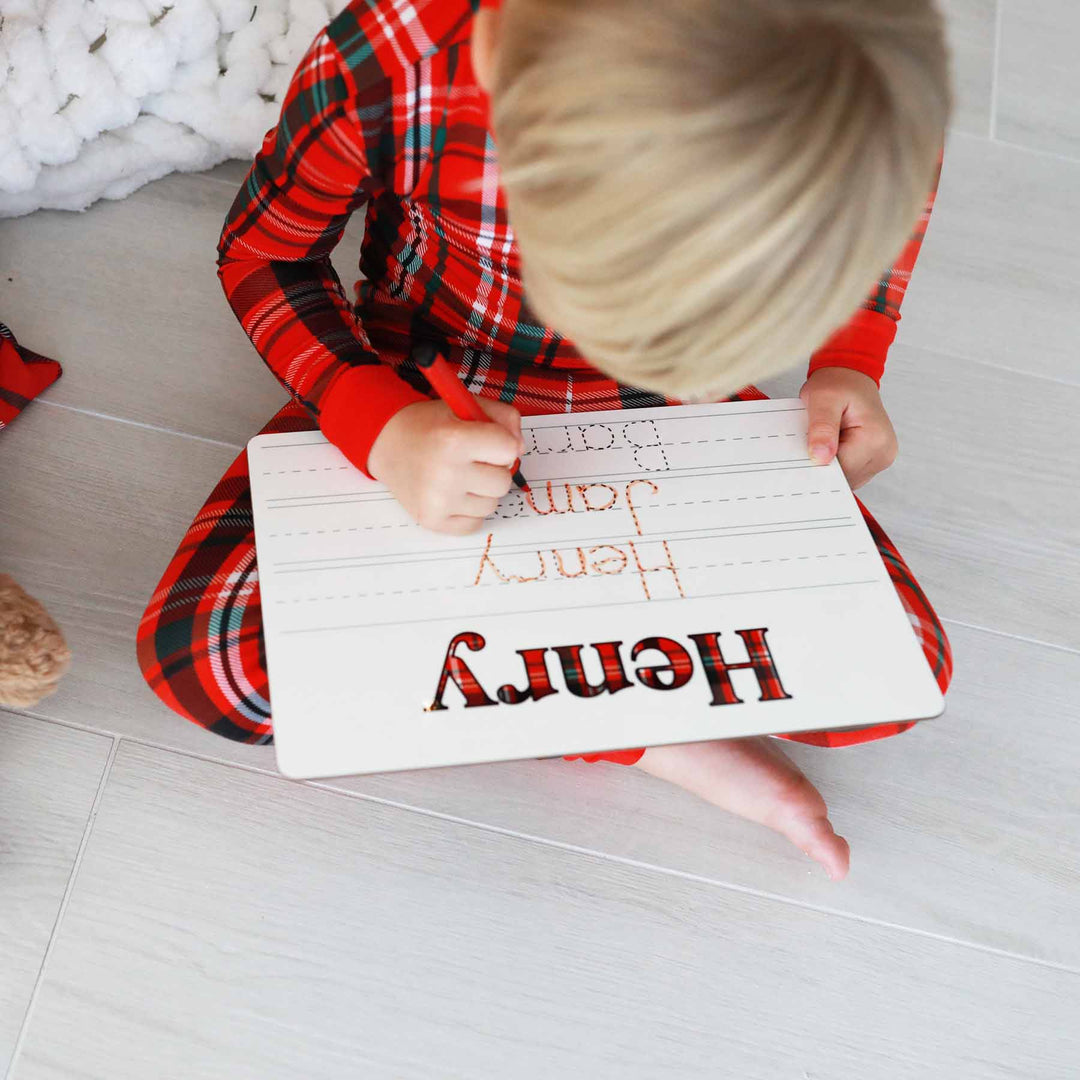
(675, 574)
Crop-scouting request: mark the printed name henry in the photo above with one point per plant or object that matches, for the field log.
(672, 669)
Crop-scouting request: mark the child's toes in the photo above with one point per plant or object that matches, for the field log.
(816, 837)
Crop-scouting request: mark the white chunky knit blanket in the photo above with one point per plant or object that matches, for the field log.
(98, 97)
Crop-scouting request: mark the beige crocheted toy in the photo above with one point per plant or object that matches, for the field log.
(33, 653)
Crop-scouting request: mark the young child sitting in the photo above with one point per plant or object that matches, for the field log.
(598, 205)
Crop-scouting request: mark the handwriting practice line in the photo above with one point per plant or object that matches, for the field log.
(613, 603)
(352, 564)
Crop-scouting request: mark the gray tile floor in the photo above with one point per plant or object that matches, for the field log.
(170, 907)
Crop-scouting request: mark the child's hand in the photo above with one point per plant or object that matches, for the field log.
(448, 474)
(846, 415)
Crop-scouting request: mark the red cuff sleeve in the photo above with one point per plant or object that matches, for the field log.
(860, 344)
(357, 406)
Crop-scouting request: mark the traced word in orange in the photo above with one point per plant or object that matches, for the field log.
(605, 560)
(586, 498)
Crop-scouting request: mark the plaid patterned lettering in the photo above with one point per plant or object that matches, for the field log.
(456, 669)
(670, 676)
(536, 671)
(718, 670)
(577, 682)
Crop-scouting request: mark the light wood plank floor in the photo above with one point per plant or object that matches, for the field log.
(171, 907)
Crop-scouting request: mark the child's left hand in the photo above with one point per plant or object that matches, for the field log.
(847, 420)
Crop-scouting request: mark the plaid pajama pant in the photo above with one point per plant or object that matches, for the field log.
(200, 642)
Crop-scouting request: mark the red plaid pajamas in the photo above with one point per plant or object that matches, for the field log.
(23, 375)
(200, 642)
(384, 110)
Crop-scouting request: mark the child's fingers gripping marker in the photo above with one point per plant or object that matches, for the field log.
(447, 385)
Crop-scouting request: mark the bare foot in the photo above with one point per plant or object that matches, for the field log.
(756, 780)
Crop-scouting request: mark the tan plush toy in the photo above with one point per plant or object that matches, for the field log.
(33, 653)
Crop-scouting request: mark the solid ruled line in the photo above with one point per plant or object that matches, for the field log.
(548, 581)
(295, 445)
(530, 545)
(721, 415)
(364, 496)
(541, 611)
(410, 558)
(735, 469)
(718, 414)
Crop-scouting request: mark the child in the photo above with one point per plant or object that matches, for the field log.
(702, 190)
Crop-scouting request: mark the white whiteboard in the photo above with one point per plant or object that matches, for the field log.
(686, 524)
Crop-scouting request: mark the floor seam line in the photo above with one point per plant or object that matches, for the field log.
(1012, 636)
(699, 878)
(204, 174)
(950, 355)
(995, 70)
(564, 845)
(1053, 155)
(258, 770)
(141, 424)
(71, 725)
(39, 981)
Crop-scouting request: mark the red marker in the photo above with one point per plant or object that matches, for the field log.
(448, 386)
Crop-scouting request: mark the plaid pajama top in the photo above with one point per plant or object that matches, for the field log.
(384, 110)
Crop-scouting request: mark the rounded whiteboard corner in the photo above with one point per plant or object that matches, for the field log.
(288, 768)
(938, 708)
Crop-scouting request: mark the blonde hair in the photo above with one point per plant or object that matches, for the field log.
(703, 190)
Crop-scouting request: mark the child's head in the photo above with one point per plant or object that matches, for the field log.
(703, 190)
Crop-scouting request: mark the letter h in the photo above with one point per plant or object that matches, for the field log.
(718, 670)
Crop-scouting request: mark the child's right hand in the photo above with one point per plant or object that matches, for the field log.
(448, 474)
